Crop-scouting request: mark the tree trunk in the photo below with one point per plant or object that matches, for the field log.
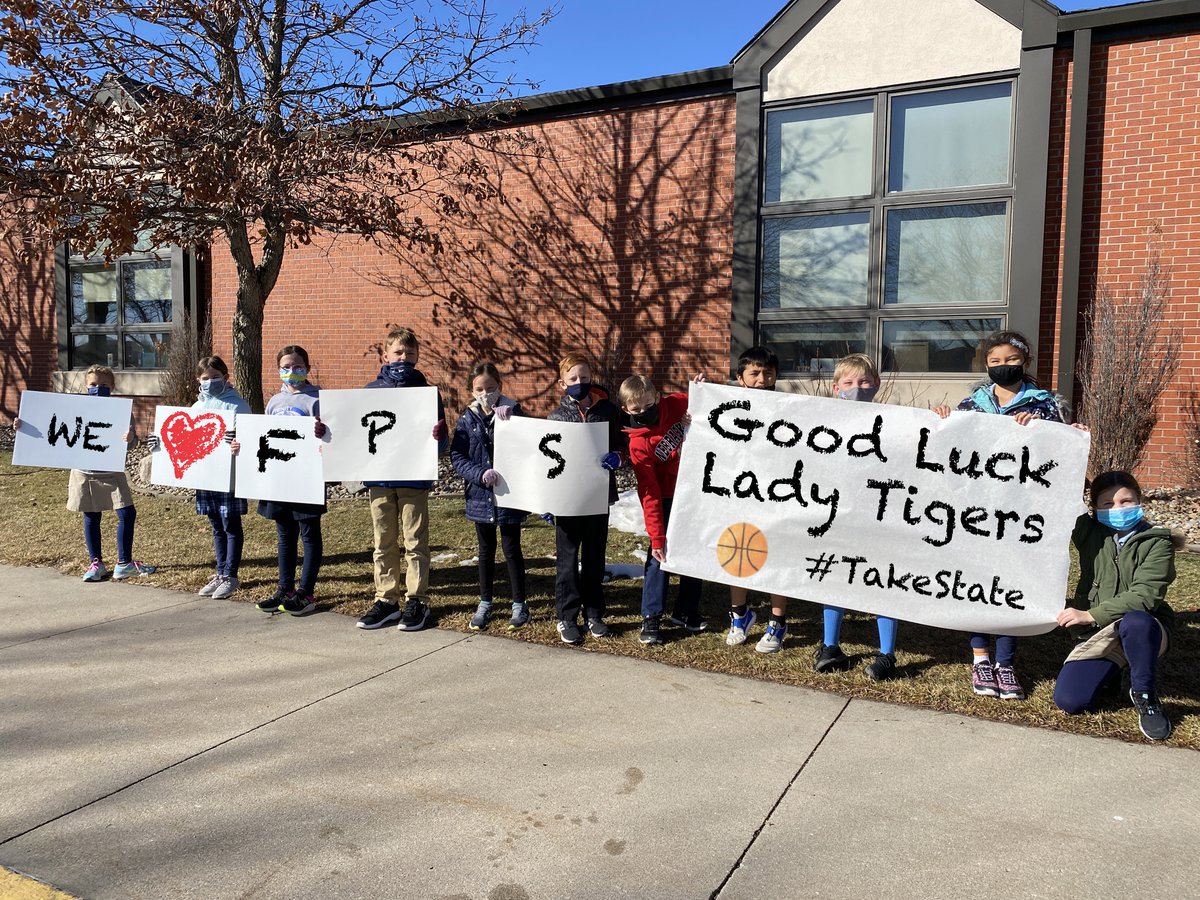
(247, 340)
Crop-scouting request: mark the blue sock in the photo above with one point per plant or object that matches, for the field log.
(833, 625)
(887, 634)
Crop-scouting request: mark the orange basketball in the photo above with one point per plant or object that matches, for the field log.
(742, 549)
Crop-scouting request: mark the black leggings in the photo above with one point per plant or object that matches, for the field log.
(510, 540)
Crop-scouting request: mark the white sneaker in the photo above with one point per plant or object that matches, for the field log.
(208, 589)
(773, 639)
(225, 588)
(738, 626)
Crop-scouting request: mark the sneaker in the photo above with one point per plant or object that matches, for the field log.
(772, 640)
(96, 571)
(738, 626)
(1006, 681)
(983, 680)
(882, 667)
(298, 604)
(597, 628)
(650, 630)
(415, 614)
(830, 658)
(1154, 724)
(694, 624)
(227, 587)
(208, 589)
(135, 569)
(570, 633)
(483, 612)
(520, 616)
(274, 602)
(379, 615)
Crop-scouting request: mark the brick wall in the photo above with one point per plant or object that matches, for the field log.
(28, 324)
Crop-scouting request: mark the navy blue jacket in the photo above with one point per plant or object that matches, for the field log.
(471, 454)
(415, 380)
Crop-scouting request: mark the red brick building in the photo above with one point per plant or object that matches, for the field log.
(892, 176)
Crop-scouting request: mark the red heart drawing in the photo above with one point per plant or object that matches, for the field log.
(188, 440)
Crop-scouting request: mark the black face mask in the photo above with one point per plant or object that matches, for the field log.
(647, 418)
(1006, 376)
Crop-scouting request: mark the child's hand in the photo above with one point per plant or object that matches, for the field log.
(503, 413)
(943, 411)
(1080, 427)
(439, 430)
(319, 428)
(1024, 418)
(1071, 616)
(489, 477)
(16, 424)
(154, 443)
(686, 420)
(125, 436)
(234, 447)
(659, 554)
(611, 461)
(699, 379)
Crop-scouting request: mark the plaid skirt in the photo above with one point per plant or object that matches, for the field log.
(219, 503)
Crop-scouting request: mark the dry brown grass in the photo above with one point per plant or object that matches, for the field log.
(39, 531)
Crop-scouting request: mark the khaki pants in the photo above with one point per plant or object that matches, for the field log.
(400, 513)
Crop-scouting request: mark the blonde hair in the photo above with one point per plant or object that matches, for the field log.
(570, 361)
(405, 336)
(635, 387)
(101, 372)
(856, 364)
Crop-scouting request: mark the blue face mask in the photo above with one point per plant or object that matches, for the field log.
(398, 372)
(866, 394)
(99, 390)
(1121, 519)
(578, 391)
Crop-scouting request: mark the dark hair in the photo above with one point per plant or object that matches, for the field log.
(1106, 481)
(483, 368)
(1007, 338)
(293, 350)
(757, 356)
(212, 362)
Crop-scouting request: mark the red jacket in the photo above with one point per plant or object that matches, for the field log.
(655, 477)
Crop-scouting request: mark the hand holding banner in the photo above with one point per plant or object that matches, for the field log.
(72, 431)
(552, 467)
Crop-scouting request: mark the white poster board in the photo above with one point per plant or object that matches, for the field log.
(381, 434)
(72, 431)
(192, 451)
(962, 523)
(552, 467)
(279, 459)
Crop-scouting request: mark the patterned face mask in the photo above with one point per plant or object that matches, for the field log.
(293, 377)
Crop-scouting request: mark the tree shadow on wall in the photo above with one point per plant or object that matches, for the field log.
(28, 321)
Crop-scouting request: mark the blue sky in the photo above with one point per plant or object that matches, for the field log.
(601, 41)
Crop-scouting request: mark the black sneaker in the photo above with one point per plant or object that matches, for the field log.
(415, 614)
(882, 667)
(1154, 724)
(831, 659)
(597, 628)
(570, 633)
(649, 633)
(695, 624)
(298, 604)
(271, 604)
(379, 615)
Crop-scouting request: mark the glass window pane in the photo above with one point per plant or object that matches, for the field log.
(946, 254)
(814, 347)
(93, 349)
(954, 138)
(147, 349)
(934, 345)
(820, 152)
(93, 295)
(814, 262)
(147, 292)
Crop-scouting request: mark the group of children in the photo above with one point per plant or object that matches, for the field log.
(1118, 614)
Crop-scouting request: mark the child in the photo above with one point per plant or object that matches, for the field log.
(1009, 391)
(400, 509)
(855, 377)
(757, 369)
(91, 493)
(655, 436)
(471, 452)
(295, 522)
(582, 540)
(1119, 613)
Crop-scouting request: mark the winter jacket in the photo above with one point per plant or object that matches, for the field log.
(656, 477)
(416, 379)
(601, 410)
(471, 452)
(1114, 581)
(1042, 404)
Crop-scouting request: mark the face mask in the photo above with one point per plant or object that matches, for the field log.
(99, 390)
(398, 371)
(1006, 376)
(1120, 519)
(293, 377)
(578, 391)
(647, 418)
(488, 399)
(212, 387)
(866, 395)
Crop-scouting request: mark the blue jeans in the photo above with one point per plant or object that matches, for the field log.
(1006, 646)
(656, 584)
(126, 516)
(1080, 682)
(308, 532)
(227, 542)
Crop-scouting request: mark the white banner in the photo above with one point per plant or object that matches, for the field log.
(552, 467)
(72, 431)
(962, 523)
(279, 459)
(193, 452)
(380, 434)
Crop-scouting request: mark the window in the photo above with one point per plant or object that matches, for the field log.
(120, 314)
(885, 227)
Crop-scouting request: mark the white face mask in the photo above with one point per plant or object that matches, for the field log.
(488, 398)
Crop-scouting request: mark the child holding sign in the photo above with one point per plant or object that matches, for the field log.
(471, 452)
(1119, 613)
(856, 377)
(1009, 391)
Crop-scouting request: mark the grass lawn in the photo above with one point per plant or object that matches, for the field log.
(40, 531)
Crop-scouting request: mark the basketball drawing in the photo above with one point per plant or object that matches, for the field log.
(742, 549)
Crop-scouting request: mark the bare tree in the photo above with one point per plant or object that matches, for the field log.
(251, 123)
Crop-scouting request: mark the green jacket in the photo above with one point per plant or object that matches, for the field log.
(1113, 582)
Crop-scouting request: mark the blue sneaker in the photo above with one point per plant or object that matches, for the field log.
(738, 626)
(96, 571)
(520, 616)
(773, 639)
(135, 569)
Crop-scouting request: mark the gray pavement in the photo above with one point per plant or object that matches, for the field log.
(154, 744)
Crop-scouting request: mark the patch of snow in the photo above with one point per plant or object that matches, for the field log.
(626, 514)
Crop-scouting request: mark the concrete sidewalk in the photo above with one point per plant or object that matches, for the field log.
(160, 745)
